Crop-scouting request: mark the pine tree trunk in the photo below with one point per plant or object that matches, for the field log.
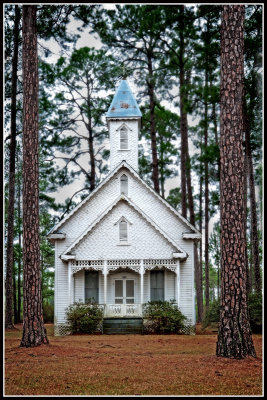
(15, 297)
(253, 206)
(245, 222)
(198, 266)
(206, 194)
(234, 335)
(34, 332)
(19, 259)
(183, 118)
(200, 225)
(155, 166)
(11, 195)
(92, 162)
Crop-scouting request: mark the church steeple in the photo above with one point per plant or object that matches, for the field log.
(124, 120)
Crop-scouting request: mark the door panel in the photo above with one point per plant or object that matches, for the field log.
(124, 291)
(118, 291)
(129, 291)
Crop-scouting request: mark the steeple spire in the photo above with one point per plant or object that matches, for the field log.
(123, 103)
(124, 120)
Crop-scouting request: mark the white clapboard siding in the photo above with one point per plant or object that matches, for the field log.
(79, 286)
(140, 233)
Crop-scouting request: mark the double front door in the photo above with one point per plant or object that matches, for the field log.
(124, 291)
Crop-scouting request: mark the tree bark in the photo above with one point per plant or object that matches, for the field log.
(234, 335)
(92, 161)
(34, 331)
(253, 205)
(200, 227)
(198, 266)
(155, 166)
(206, 194)
(11, 195)
(183, 117)
(20, 254)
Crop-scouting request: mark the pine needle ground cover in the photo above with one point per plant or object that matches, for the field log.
(128, 365)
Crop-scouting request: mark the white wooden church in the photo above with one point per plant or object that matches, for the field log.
(123, 245)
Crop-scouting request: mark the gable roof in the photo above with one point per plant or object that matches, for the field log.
(124, 164)
(182, 254)
(123, 103)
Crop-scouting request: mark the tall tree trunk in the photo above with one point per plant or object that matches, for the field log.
(34, 331)
(234, 335)
(245, 222)
(20, 254)
(11, 195)
(201, 223)
(183, 116)
(92, 162)
(15, 296)
(198, 266)
(253, 205)
(155, 166)
(206, 182)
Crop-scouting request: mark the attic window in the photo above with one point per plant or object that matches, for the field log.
(124, 184)
(123, 138)
(123, 231)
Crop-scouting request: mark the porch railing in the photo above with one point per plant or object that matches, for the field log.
(123, 310)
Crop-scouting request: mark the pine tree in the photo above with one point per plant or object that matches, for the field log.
(11, 198)
(134, 32)
(234, 335)
(34, 331)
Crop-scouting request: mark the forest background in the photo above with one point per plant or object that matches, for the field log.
(171, 57)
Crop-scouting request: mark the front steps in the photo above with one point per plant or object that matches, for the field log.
(114, 326)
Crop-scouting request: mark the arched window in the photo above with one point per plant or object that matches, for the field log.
(123, 231)
(124, 184)
(123, 138)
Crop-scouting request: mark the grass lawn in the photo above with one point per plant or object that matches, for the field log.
(128, 365)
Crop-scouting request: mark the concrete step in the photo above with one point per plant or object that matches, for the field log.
(123, 326)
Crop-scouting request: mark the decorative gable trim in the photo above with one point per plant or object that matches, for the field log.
(123, 125)
(123, 219)
(124, 164)
(180, 251)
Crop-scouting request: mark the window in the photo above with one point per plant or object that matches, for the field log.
(123, 231)
(124, 184)
(156, 285)
(91, 285)
(123, 138)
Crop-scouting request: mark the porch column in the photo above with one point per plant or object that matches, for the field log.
(178, 283)
(142, 281)
(70, 284)
(105, 273)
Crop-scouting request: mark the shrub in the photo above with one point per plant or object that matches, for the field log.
(163, 317)
(212, 316)
(254, 308)
(48, 312)
(84, 317)
(255, 312)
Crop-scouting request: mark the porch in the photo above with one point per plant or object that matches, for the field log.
(122, 287)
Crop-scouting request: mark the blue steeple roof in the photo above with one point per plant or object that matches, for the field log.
(123, 103)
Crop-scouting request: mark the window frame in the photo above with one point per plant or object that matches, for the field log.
(124, 130)
(123, 220)
(127, 184)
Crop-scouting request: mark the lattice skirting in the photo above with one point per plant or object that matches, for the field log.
(62, 330)
(189, 330)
